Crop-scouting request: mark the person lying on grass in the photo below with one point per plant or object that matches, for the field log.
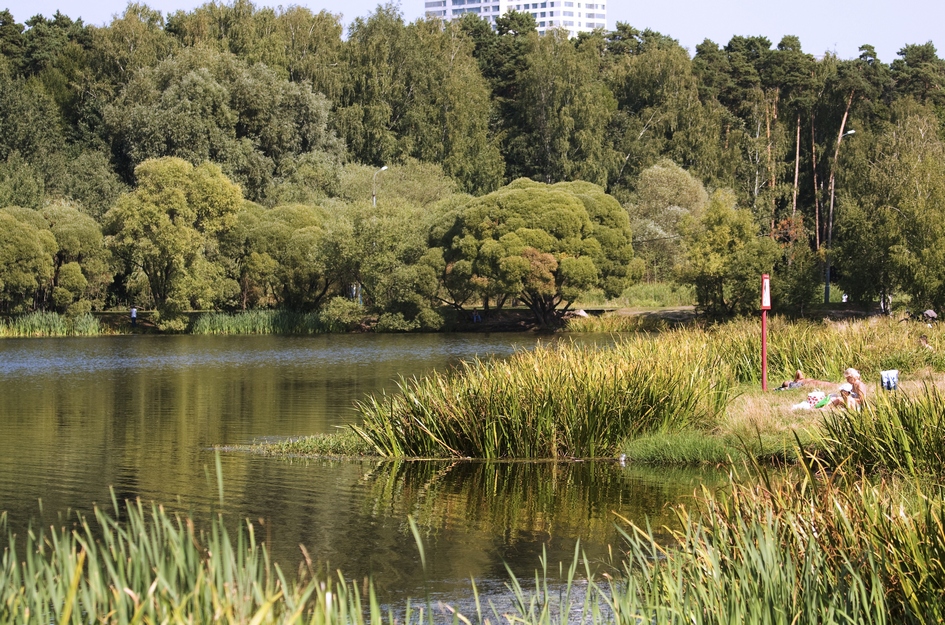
(799, 381)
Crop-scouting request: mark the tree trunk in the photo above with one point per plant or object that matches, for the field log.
(813, 160)
(797, 167)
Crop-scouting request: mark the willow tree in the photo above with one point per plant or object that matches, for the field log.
(169, 229)
(543, 244)
(26, 258)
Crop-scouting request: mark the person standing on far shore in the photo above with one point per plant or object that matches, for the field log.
(134, 317)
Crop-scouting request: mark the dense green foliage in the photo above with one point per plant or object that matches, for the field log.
(287, 123)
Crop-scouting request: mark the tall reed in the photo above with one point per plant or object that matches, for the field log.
(811, 551)
(50, 324)
(898, 432)
(260, 322)
(154, 567)
(820, 349)
(560, 401)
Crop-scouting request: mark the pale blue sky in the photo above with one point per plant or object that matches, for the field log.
(838, 26)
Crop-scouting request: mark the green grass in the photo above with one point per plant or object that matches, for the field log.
(49, 324)
(821, 349)
(835, 549)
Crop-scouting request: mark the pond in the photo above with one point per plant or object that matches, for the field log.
(142, 414)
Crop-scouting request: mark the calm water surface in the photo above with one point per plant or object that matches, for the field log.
(140, 415)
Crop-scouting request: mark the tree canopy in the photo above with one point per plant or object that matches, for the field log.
(291, 120)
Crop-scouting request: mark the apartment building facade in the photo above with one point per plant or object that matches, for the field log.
(573, 15)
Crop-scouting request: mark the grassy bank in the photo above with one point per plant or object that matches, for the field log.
(688, 395)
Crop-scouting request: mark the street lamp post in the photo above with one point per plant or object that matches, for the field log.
(833, 169)
(374, 186)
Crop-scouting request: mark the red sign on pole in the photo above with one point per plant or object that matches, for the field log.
(765, 307)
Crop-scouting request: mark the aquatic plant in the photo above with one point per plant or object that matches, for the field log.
(157, 567)
(340, 443)
(898, 432)
(259, 322)
(839, 550)
(558, 401)
(50, 324)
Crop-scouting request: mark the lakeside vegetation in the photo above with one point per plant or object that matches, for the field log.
(682, 395)
(240, 157)
(228, 158)
(829, 544)
(41, 323)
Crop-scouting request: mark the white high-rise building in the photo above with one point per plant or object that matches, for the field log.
(575, 16)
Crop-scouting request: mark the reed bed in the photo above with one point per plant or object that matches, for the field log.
(340, 443)
(900, 433)
(552, 402)
(792, 552)
(49, 324)
(820, 349)
(261, 322)
(154, 567)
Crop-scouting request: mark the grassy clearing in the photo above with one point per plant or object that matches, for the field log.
(49, 324)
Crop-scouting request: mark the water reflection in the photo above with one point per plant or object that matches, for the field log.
(475, 517)
(141, 414)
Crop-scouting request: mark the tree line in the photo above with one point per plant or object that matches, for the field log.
(225, 158)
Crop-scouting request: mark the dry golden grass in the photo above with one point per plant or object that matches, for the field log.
(754, 411)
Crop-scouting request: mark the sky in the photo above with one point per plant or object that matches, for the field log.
(836, 26)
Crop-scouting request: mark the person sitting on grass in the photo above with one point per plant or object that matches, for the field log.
(859, 389)
(852, 392)
(845, 399)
